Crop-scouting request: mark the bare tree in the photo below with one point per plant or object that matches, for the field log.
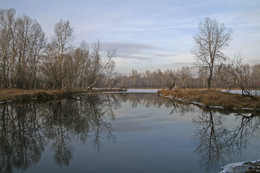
(49, 67)
(115, 80)
(256, 76)
(81, 65)
(38, 43)
(212, 38)
(63, 35)
(237, 74)
(26, 48)
(185, 76)
(7, 20)
(95, 67)
(110, 72)
(99, 64)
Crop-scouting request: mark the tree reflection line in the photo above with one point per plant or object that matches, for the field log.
(27, 129)
(216, 142)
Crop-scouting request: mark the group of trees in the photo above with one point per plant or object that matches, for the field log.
(212, 68)
(158, 78)
(233, 74)
(28, 60)
(212, 38)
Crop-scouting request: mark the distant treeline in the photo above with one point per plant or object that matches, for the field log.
(29, 60)
(229, 75)
(212, 68)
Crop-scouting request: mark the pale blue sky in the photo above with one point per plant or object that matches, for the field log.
(149, 34)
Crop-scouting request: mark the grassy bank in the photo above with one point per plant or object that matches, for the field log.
(20, 95)
(213, 98)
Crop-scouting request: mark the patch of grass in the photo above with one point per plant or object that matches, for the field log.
(211, 98)
(20, 95)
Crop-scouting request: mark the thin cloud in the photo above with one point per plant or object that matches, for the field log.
(128, 47)
(149, 32)
(130, 50)
(134, 57)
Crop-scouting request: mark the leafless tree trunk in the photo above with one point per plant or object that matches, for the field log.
(81, 65)
(109, 71)
(38, 43)
(174, 79)
(98, 67)
(7, 19)
(63, 35)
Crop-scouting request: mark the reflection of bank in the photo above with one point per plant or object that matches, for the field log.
(148, 100)
(218, 142)
(27, 129)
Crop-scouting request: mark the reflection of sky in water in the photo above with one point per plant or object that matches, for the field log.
(151, 134)
(145, 144)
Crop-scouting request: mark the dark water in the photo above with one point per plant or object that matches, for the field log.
(124, 133)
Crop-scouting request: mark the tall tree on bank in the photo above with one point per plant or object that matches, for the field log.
(63, 35)
(7, 22)
(212, 38)
(21, 45)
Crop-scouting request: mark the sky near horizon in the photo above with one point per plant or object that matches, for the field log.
(148, 34)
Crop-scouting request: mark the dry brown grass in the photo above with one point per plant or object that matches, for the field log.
(26, 95)
(20, 95)
(11, 93)
(211, 98)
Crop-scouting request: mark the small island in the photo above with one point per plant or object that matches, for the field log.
(214, 99)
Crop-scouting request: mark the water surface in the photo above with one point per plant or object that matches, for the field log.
(124, 133)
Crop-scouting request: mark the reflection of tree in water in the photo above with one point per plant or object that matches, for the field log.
(216, 142)
(100, 128)
(179, 108)
(148, 100)
(151, 100)
(26, 129)
(21, 140)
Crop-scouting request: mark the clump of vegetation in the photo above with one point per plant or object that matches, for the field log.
(29, 61)
(20, 95)
(214, 98)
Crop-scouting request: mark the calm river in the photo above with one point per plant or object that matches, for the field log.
(123, 133)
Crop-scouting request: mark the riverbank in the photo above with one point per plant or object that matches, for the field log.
(213, 99)
(20, 95)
